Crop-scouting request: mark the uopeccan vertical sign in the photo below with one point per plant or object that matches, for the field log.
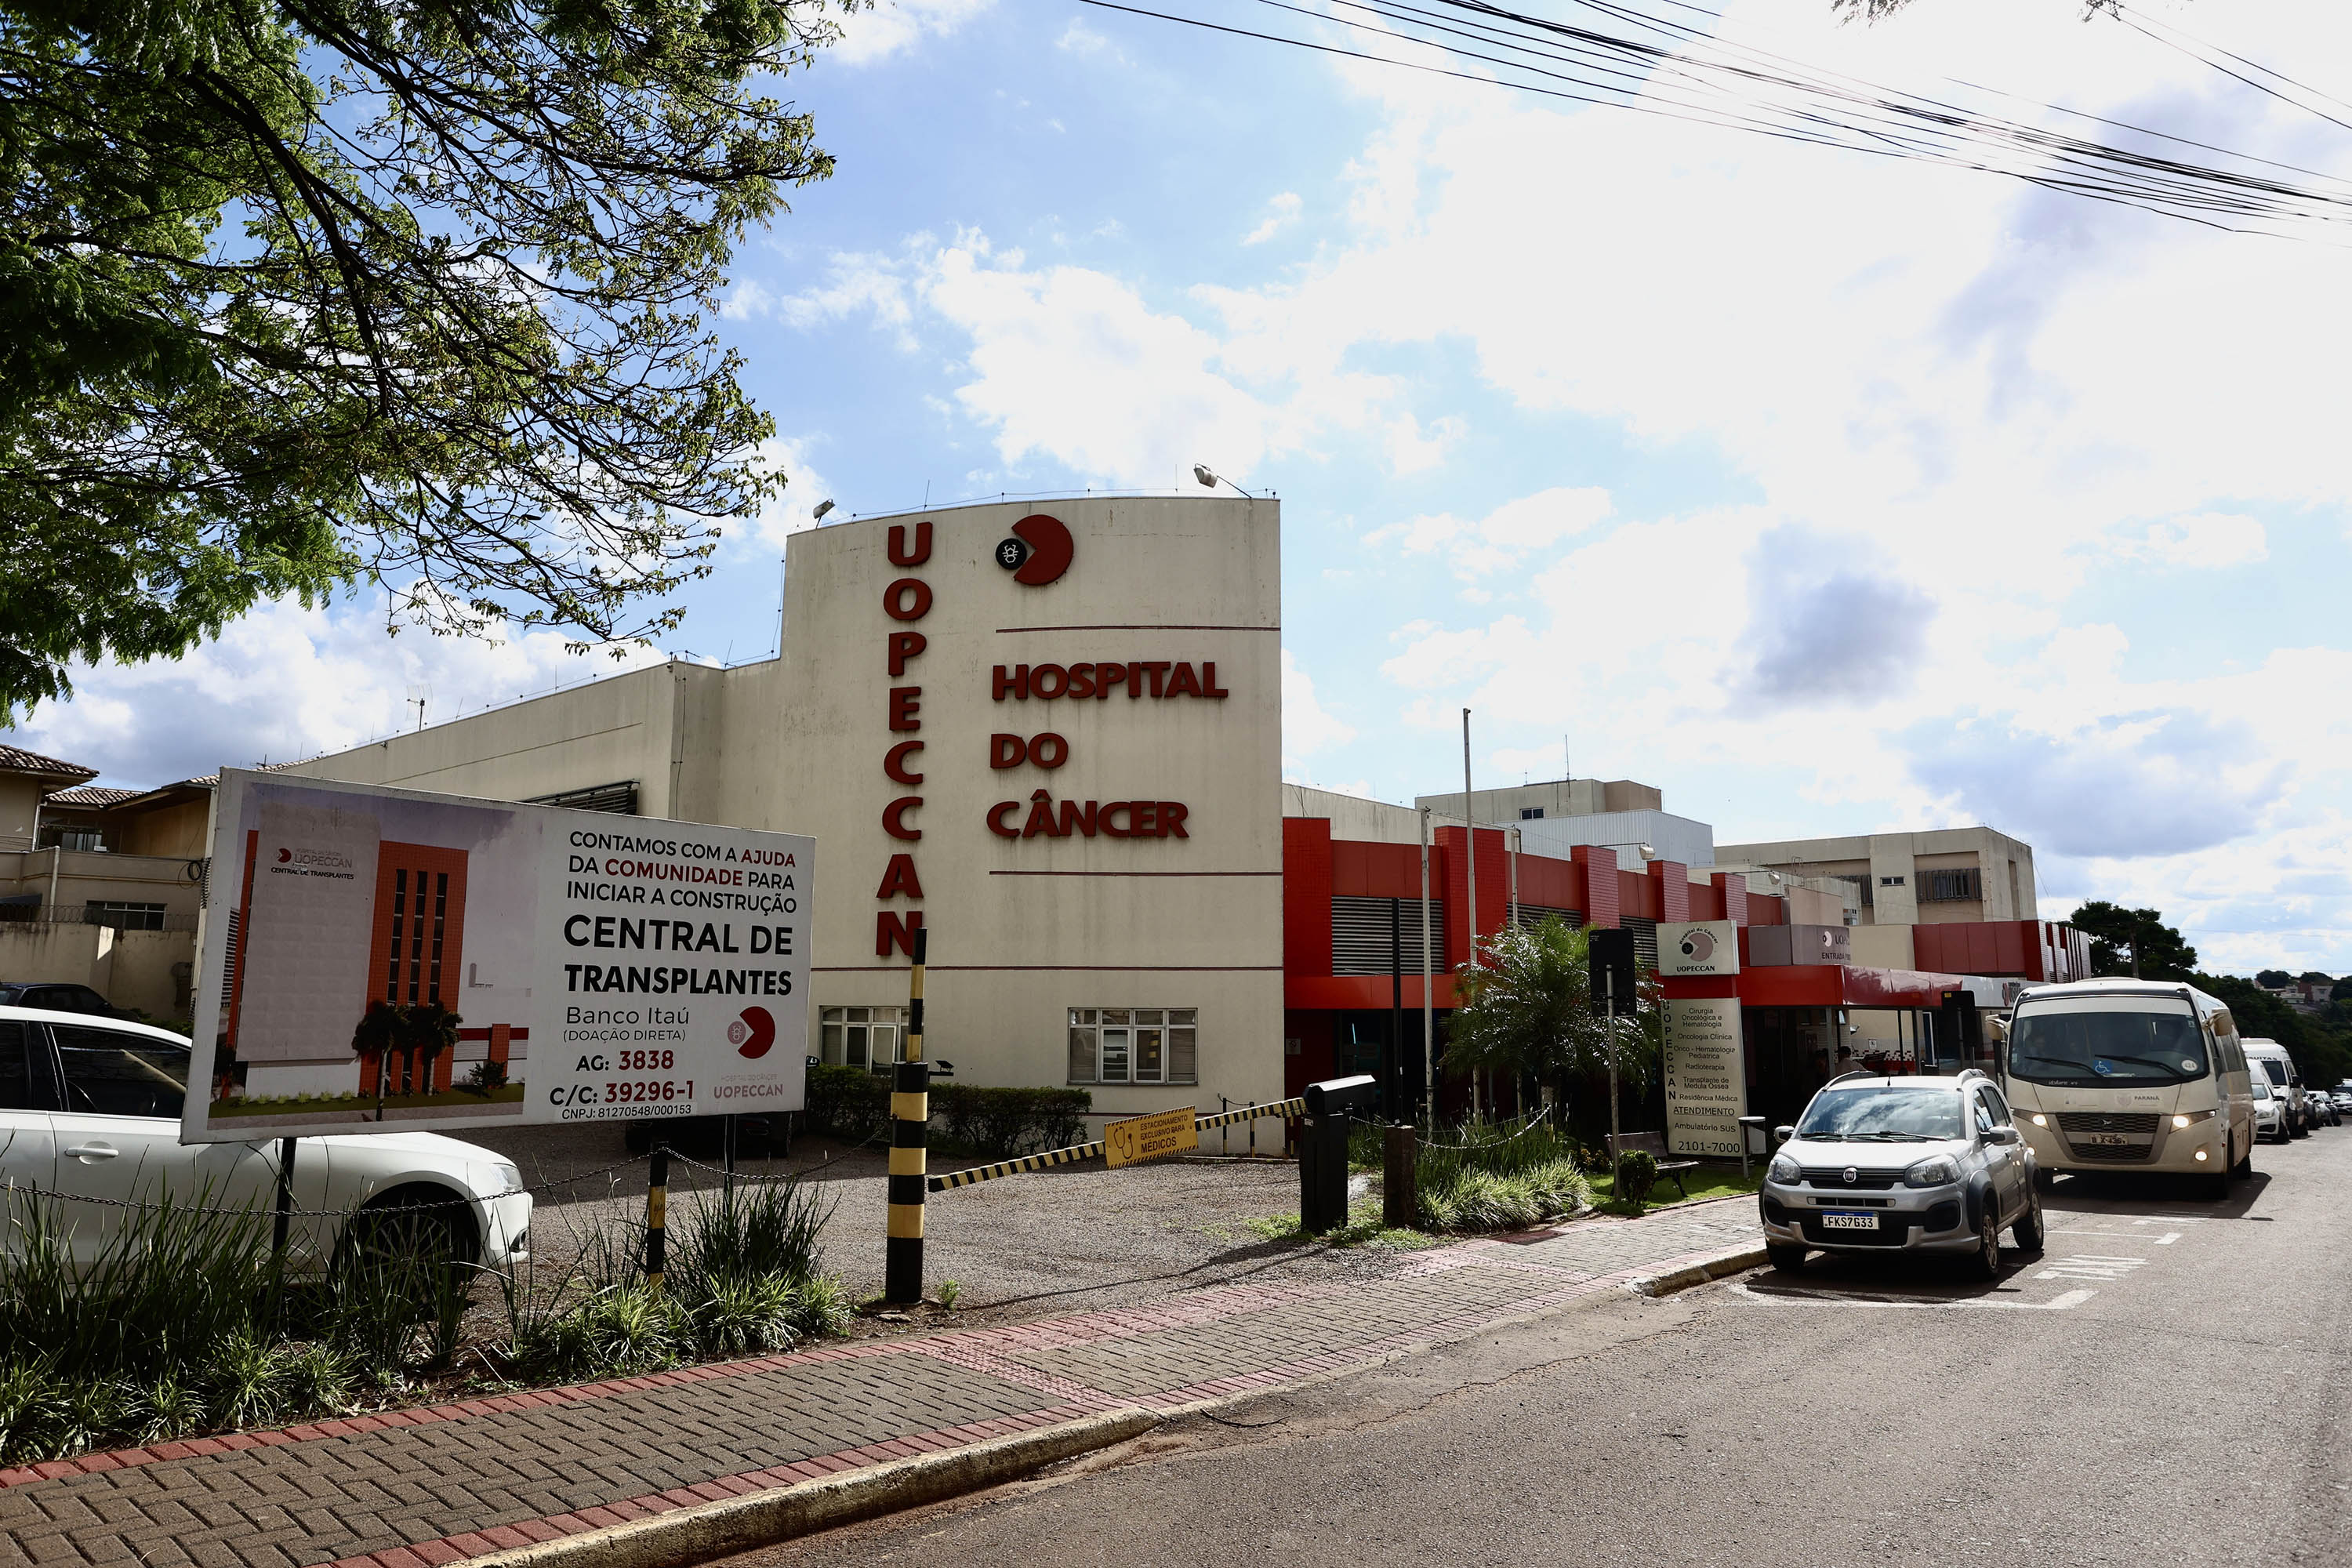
(1705, 1065)
(387, 960)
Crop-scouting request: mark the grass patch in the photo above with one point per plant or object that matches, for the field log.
(1706, 1182)
(1485, 1175)
(184, 1323)
(1364, 1228)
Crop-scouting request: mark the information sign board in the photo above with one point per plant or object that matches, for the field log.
(378, 960)
(1152, 1137)
(1706, 1076)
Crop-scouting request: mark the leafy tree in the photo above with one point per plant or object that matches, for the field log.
(2322, 1052)
(1526, 1013)
(2341, 990)
(2133, 942)
(2271, 978)
(2313, 977)
(295, 294)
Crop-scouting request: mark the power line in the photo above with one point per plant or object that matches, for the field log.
(1679, 71)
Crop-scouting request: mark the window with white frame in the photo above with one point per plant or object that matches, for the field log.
(867, 1037)
(1134, 1045)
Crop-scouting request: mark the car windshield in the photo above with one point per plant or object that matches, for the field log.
(2261, 1089)
(2087, 1043)
(1883, 1113)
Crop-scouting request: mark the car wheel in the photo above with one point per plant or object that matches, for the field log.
(2027, 1230)
(419, 1221)
(1784, 1259)
(2245, 1166)
(1985, 1262)
(2045, 1180)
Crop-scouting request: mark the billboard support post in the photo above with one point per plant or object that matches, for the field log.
(910, 1116)
(280, 1227)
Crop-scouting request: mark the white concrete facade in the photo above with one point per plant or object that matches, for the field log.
(1148, 878)
(1898, 872)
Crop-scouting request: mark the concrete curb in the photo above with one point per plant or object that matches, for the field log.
(1737, 1261)
(746, 1523)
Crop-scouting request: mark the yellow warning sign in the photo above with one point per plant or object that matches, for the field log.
(1153, 1137)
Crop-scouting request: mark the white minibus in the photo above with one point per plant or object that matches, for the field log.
(2130, 1076)
(2270, 1057)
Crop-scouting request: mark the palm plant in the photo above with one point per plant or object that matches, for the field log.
(1527, 1011)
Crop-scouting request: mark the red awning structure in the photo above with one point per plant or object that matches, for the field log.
(1825, 986)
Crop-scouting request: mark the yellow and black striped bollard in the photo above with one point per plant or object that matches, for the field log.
(911, 1117)
(657, 1218)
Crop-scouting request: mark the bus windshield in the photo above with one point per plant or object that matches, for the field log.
(2083, 1044)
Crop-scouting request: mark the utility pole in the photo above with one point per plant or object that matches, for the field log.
(1470, 822)
(1428, 999)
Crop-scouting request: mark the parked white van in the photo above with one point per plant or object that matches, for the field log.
(2271, 1060)
(2130, 1075)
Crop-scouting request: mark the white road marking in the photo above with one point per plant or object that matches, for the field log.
(2058, 1303)
(2091, 1266)
(2168, 1239)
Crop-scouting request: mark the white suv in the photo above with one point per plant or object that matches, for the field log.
(90, 1110)
(1914, 1164)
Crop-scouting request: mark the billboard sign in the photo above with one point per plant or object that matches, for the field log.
(379, 959)
(1706, 1076)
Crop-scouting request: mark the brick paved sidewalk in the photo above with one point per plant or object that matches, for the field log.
(416, 1488)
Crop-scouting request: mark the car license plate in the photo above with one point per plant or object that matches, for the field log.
(1847, 1219)
(2109, 1140)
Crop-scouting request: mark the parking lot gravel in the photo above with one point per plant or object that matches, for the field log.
(1070, 1239)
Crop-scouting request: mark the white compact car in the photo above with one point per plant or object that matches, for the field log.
(90, 1110)
(2270, 1111)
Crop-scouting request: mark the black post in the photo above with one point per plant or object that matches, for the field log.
(1400, 1179)
(726, 1136)
(1323, 1173)
(1393, 1068)
(656, 1216)
(285, 1201)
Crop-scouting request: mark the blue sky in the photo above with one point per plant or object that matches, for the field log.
(1827, 493)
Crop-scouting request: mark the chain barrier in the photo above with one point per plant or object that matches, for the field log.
(11, 1188)
(1528, 1127)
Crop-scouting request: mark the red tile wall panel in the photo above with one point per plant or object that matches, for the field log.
(1637, 894)
(1672, 880)
(1707, 903)
(1555, 884)
(1306, 857)
(1731, 892)
(1598, 864)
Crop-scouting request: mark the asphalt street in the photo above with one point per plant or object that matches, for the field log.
(2166, 1383)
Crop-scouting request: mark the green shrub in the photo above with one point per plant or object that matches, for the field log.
(996, 1123)
(1483, 1175)
(848, 1103)
(1637, 1173)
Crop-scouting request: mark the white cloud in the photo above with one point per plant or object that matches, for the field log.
(1504, 537)
(1281, 211)
(1307, 728)
(283, 683)
(2206, 539)
(868, 37)
(804, 489)
(1079, 39)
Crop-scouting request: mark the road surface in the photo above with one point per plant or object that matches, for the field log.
(2166, 1383)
